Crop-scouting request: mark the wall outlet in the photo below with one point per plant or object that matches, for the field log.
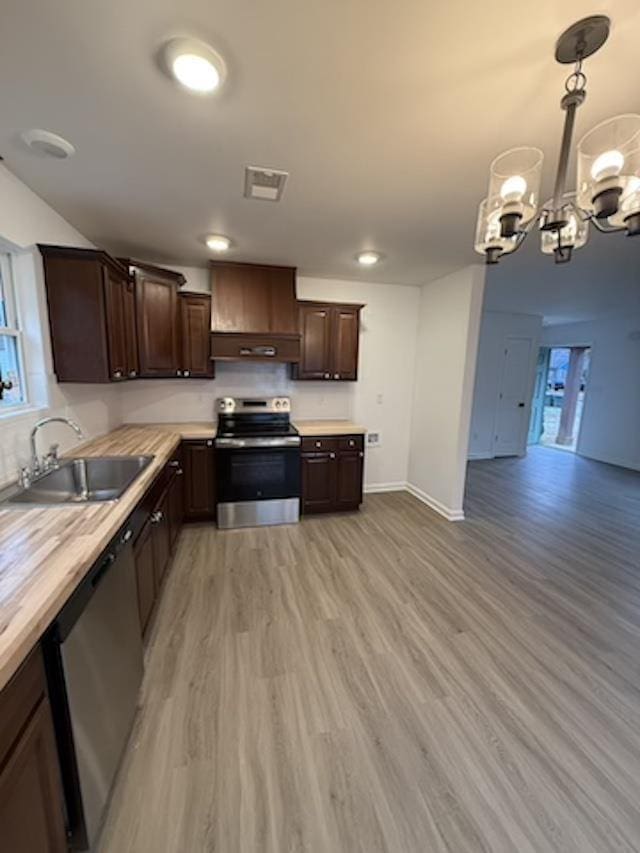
(374, 438)
(379, 399)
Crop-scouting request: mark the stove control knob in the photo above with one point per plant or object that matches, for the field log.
(277, 404)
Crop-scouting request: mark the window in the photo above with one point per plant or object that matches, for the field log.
(13, 390)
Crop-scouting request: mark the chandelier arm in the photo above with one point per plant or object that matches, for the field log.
(610, 229)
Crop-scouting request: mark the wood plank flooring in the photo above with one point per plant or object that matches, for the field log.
(389, 681)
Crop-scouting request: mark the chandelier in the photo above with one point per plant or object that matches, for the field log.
(608, 174)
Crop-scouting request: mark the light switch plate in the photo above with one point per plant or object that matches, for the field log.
(374, 438)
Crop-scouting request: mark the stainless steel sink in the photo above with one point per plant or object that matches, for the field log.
(89, 479)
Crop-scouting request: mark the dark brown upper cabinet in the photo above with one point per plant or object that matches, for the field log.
(254, 312)
(195, 335)
(91, 315)
(158, 318)
(329, 341)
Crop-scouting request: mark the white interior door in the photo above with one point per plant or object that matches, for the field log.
(512, 415)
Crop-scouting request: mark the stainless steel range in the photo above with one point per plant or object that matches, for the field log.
(257, 462)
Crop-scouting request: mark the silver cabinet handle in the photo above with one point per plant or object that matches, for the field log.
(178, 373)
(174, 463)
(127, 535)
(156, 517)
(352, 443)
(117, 374)
(209, 443)
(185, 373)
(133, 374)
(361, 454)
(179, 472)
(327, 376)
(332, 456)
(318, 444)
(336, 376)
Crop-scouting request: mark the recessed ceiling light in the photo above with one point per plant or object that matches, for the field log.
(48, 144)
(368, 258)
(195, 65)
(218, 243)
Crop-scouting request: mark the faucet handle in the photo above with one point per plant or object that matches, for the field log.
(51, 459)
(24, 477)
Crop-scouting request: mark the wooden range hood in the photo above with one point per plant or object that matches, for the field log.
(254, 314)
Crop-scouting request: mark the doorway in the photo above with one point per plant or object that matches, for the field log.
(559, 394)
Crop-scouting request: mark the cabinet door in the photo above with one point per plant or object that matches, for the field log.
(318, 482)
(195, 316)
(315, 345)
(130, 330)
(176, 505)
(199, 479)
(157, 322)
(346, 327)
(114, 287)
(349, 480)
(161, 536)
(145, 576)
(31, 816)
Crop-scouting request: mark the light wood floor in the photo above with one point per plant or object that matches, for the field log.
(389, 681)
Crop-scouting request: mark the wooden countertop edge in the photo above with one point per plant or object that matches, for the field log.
(330, 427)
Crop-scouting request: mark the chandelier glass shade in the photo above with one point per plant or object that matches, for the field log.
(608, 173)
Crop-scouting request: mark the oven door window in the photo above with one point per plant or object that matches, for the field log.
(255, 474)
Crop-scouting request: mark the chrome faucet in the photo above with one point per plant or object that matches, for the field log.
(49, 461)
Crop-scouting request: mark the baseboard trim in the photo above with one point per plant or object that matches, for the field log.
(375, 488)
(484, 454)
(440, 508)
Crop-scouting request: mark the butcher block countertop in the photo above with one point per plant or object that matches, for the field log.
(307, 428)
(46, 552)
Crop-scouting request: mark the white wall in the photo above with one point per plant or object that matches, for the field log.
(380, 399)
(25, 219)
(449, 323)
(495, 328)
(610, 430)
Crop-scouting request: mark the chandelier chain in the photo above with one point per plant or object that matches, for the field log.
(577, 80)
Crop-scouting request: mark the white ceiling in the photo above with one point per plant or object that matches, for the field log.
(603, 276)
(386, 115)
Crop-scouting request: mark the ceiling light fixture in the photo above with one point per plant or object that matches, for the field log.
(218, 243)
(195, 65)
(368, 258)
(48, 144)
(608, 178)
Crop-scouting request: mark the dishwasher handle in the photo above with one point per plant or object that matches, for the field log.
(102, 569)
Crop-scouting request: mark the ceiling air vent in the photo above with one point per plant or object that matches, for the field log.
(265, 184)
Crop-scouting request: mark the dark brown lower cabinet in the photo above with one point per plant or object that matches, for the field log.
(161, 536)
(31, 804)
(157, 539)
(145, 574)
(198, 462)
(332, 471)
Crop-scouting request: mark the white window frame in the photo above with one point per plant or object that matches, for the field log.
(13, 330)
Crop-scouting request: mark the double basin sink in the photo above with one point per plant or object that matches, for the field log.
(91, 479)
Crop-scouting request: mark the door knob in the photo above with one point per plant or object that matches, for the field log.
(521, 405)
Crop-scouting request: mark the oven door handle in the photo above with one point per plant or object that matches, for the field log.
(266, 443)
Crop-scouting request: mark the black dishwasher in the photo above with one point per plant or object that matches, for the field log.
(93, 654)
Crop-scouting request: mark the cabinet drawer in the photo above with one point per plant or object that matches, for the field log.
(314, 444)
(351, 442)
